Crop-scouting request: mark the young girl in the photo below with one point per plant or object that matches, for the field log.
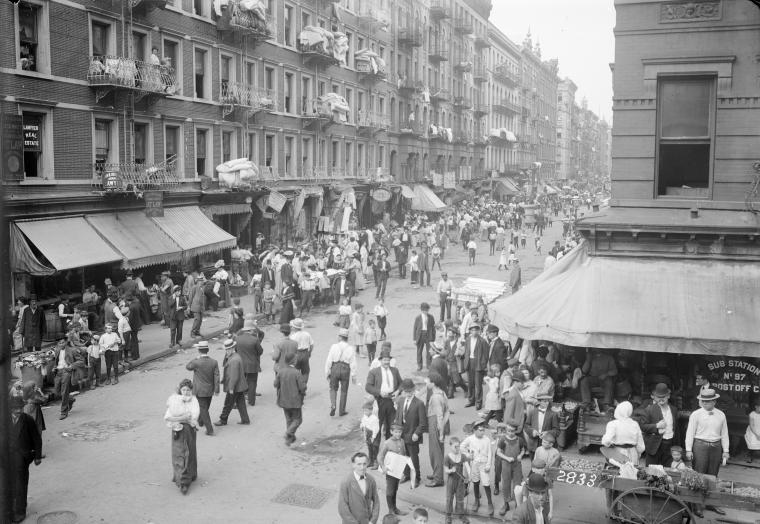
(381, 314)
(503, 259)
(752, 435)
(493, 399)
(236, 316)
(370, 339)
(456, 466)
(344, 314)
(414, 267)
(267, 297)
(510, 451)
(356, 327)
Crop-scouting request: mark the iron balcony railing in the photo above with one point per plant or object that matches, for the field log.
(440, 9)
(463, 26)
(373, 120)
(128, 177)
(439, 52)
(370, 12)
(503, 105)
(410, 35)
(504, 74)
(251, 22)
(479, 73)
(482, 40)
(128, 73)
(410, 129)
(462, 102)
(440, 95)
(246, 95)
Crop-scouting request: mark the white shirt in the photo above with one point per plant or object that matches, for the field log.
(341, 352)
(424, 321)
(386, 388)
(541, 416)
(303, 339)
(62, 359)
(667, 416)
(539, 515)
(362, 483)
(473, 344)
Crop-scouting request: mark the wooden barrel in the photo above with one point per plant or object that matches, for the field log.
(53, 329)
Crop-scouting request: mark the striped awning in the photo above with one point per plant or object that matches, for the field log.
(407, 192)
(193, 231)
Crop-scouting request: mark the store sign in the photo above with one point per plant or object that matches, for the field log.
(276, 201)
(111, 181)
(154, 203)
(734, 375)
(32, 136)
(381, 195)
(12, 147)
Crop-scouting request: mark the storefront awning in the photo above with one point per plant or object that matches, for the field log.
(227, 209)
(506, 187)
(407, 192)
(140, 241)
(426, 200)
(68, 243)
(193, 231)
(644, 304)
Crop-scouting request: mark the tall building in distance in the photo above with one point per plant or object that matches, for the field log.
(565, 152)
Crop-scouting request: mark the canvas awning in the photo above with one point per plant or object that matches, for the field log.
(407, 192)
(227, 209)
(140, 241)
(67, 243)
(506, 187)
(193, 231)
(644, 304)
(426, 200)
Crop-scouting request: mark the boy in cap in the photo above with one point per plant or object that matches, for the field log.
(547, 452)
(478, 448)
(510, 451)
(393, 466)
(456, 466)
(93, 362)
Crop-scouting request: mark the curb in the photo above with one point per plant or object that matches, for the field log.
(415, 498)
(169, 351)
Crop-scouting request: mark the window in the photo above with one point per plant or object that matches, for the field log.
(320, 88)
(201, 152)
(250, 74)
(359, 157)
(305, 93)
(269, 80)
(228, 145)
(33, 124)
(101, 39)
(173, 54)
(269, 157)
(33, 37)
(139, 46)
(288, 92)
(288, 24)
(305, 19)
(202, 78)
(335, 88)
(173, 145)
(142, 142)
(199, 7)
(350, 53)
(335, 153)
(289, 153)
(103, 143)
(225, 65)
(685, 106)
(349, 157)
(306, 163)
(349, 97)
(253, 148)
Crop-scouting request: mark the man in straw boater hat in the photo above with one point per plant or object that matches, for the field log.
(659, 426)
(234, 384)
(707, 442)
(205, 383)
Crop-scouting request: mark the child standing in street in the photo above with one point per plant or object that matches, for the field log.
(381, 314)
(370, 339)
(356, 328)
(370, 427)
(492, 404)
(344, 314)
(547, 452)
(125, 333)
(456, 467)
(523, 239)
(267, 297)
(472, 248)
(503, 259)
(478, 447)
(510, 451)
(386, 459)
(93, 362)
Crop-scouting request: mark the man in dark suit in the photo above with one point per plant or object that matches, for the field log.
(423, 262)
(250, 351)
(267, 274)
(358, 501)
(136, 323)
(541, 422)
(32, 325)
(475, 363)
(439, 365)
(424, 334)
(205, 383)
(412, 415)
(384, 383)
(25, 447)
(659, 426)
(382, 270)
(291, 390)
(177, 305)
(68, 359)
(497, 350)
(235, 386)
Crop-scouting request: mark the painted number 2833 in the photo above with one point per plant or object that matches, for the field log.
(579, 479)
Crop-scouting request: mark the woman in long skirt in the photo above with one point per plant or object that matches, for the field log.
(182, 411)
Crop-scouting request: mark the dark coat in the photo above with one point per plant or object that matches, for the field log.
(205, 376)
(32, 326)
(173, 312)
(250, 350)
(424, 336)
(234, 376)
(267, 275)
(498, 353)
(24, 439)
(526, 513)
(355, 507)
(291, 387)
(415, 421)
(286, 273)
(439, 365)
(135, 314)
(481, 355)
(551, 423)
(375, 381)
(648, 418)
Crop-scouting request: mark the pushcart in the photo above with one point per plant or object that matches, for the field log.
(665, 501)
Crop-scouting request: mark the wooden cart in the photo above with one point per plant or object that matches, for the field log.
(634, 501)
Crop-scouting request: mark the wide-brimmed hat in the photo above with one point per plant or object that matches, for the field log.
(343, 332)
(408, 385)
(708, 394)
(288, 253)
(537, 484)
(661, 390)
(219, 263)
(201, 344)
(230, 344)
(176, 288)
(297, 323)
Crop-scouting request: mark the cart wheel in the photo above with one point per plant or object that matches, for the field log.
(646, 505)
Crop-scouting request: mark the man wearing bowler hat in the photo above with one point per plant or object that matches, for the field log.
(534, 508)
(384, 383)
(707, 441)
(475, 364)
(659, 426)
(412, 415)
(424, 334)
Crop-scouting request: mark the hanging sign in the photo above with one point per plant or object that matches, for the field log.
(12, 147)
(437, 179)
(381, 195)
(154, 203)
(276, 201)
(449, 180)
(111, 181)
